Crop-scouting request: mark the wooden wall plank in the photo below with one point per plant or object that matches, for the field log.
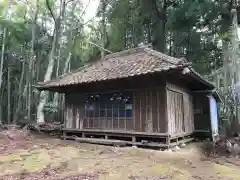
(77, 117)
(192, 114)
(81, 115)
(170, 119)
(102, 123)
(125, 121)
(149, 120)
(188, 113)
(154, 111)
(65, 116)
(162, 102)
(149, 109)
(85, 124)
(115, 123)
(143, 111)
(158, 112)
(112, 118)
(91, 124)
(134, 111)
(137, 112)
(70, 115)
(105, 123)
(187, 119)
(74, 115)
(148, 113)
(181, 114)
(121, 123)
(129, 124)
(183, 119)
(141, 105)
(109, 123)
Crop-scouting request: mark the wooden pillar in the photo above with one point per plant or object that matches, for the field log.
(106, 136)
(134, 111)
(83, 135)
(168, 141)
(82, 114)
(77, 118)
(70, 116)
(158, 113)
(149, 111)
(166, 99)
(133, 138)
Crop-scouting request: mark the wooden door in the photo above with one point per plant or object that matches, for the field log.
(175, 112)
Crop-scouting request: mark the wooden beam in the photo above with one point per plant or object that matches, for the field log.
(110, 131)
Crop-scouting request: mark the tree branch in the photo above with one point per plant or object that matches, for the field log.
(69, 1)
(85, 8)
(50, 10)
(81, 25)
(100, 9)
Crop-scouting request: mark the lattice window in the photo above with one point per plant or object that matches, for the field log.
(109, 105)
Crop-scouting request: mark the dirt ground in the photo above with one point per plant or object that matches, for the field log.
(49, 158)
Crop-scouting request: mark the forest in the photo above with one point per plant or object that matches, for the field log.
(42, 39)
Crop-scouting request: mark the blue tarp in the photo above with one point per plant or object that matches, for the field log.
(214, 115)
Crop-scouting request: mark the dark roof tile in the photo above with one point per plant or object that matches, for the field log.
(123, 64)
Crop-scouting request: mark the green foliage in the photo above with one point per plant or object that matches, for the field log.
(179, 28)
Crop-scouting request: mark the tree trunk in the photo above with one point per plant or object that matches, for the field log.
(20, 95)
(159, 26)
(2, 57)
(47, 77)
(3, 50)
(56, 94)
(103, 26)
(32, 60)
(235, 45)
(66, 65)
(164, 21)
(235, 68)
(9, 95)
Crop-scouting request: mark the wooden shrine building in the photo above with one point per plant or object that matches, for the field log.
(138, 95)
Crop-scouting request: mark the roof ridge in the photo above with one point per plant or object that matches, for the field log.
(127, 52)
(163, 56)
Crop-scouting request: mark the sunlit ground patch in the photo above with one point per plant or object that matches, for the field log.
(227, 171)
(10, 158)
(35, 160)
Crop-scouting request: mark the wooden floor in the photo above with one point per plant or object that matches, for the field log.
(121, 138)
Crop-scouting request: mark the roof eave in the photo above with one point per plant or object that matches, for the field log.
(214, 93)
(45, 87)
(198, 77)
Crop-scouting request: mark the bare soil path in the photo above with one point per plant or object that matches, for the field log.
(44, 158)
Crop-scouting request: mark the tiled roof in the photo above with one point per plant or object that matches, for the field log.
(133, 62)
